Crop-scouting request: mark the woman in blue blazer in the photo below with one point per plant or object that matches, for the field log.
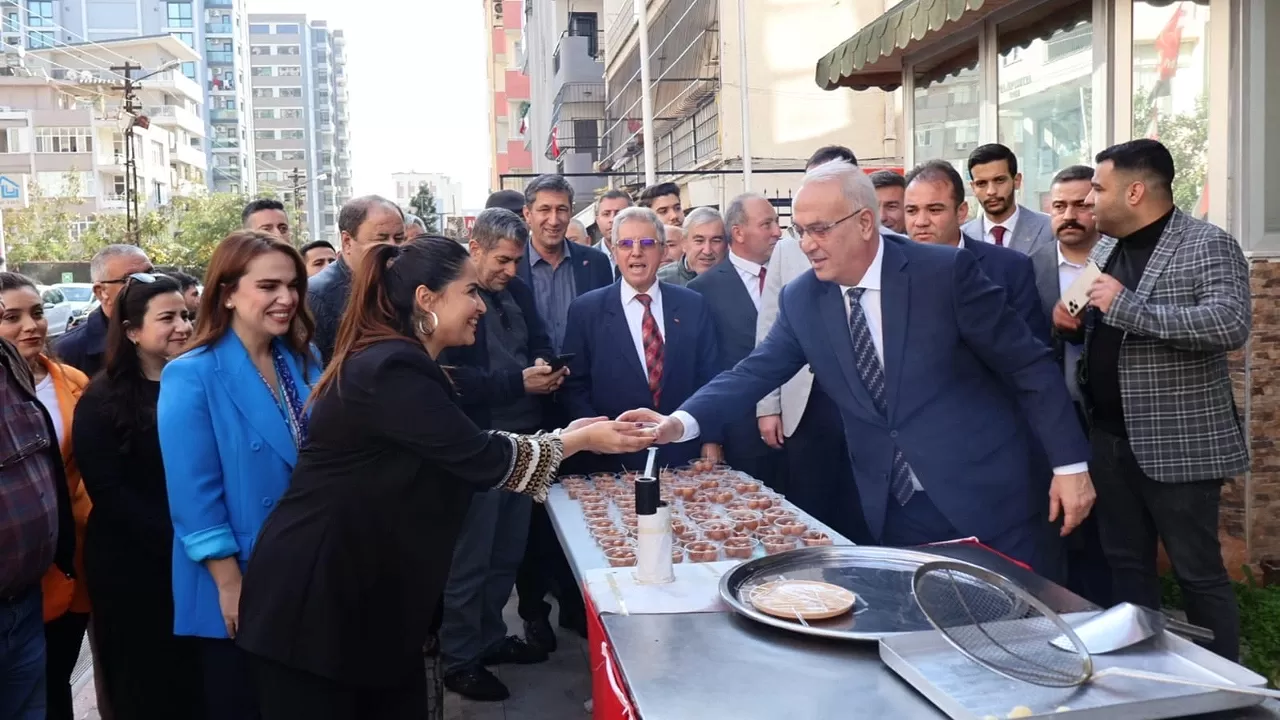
(232, 416)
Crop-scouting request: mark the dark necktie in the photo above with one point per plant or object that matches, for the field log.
(651, 339)
(763, 270)
(997, 234)
(872, 374)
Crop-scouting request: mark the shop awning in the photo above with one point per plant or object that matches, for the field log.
(873, 56)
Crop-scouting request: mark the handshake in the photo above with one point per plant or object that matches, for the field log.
(633, 431)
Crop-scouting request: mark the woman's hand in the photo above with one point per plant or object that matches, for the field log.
(606, 436)
(226, 575)
(584, 422)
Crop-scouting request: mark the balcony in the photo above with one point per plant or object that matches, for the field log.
(224, 115)
(225, 143)
(229, 4)
(219, 29)
(184, 154)
(573, 62)
(173, 81)
(220, 57)
(226, 172)
(173, 116)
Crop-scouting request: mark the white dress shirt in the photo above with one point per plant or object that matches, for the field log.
(750, 274)
(634, 311)
(1067, 274)
(1009, 224)
(871, 309)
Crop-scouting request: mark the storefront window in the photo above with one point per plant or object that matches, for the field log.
(1271, 110)
(1170, 91)
(1046, 99)
(946, 112)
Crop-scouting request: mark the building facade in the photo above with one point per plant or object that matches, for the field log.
(214, 28)
(298, 106)
(447, 193)
(508, 90)
(1059, 81)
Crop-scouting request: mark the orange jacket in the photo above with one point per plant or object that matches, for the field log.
(62, 593)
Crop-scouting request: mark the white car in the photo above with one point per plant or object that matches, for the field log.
(78, 294)
(57, 309)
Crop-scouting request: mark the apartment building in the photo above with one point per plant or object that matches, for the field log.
(214, 28)
(62, 131)
(695, 64)
(508, 90)
(300, 120)
(564, 61)
(448, 194)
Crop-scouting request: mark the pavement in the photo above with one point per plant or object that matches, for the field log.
(555, 690)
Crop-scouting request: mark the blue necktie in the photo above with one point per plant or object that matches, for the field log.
(872, 374)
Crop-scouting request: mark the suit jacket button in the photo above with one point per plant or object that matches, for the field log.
(267, 502)
(255, 446)
(893, 433)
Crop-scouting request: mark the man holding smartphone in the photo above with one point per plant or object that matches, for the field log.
(499, 381)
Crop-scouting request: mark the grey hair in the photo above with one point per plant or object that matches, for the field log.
(576, 221)
(736, 214)
(669, 229)
(411, 219)
(98, 265)
(640, 213)
(547, 183)
(497, 224)
(701, 216)
(854, 183)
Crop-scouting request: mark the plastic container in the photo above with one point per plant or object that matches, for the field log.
(600, 504)
(737, 504)
(701, 516)
(708, 482)
(625, 503)
(621, 556)
(717, 530)
(744, 486)
(745, 520)
(677, 554)
(776, 512)
(814, 538)
(613, 542)
(596, 513)
(758, 500)
(702, 551)
(790, 526)
(609, 532)
(603, 477)
(630, 521)
(740, 548)
(774, 544)
(684, 489)
(585, 495)
(594, 524)
(721, 495)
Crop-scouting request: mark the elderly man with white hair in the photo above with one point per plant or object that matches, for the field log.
(85, 346)
(943, 390)
(640, 342)
(704, 246)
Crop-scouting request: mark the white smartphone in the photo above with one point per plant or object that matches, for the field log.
(1077, 296)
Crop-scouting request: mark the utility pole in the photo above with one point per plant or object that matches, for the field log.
(298, 178)
(136, 119)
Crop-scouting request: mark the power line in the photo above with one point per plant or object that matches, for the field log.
(55, 26)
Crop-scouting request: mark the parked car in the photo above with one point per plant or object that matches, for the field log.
(79, 317)
(78, 294)
(57, 309)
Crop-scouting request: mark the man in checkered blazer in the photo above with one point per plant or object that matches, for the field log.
(1172, 302)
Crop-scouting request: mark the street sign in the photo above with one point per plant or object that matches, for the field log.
(68, 277)
(12, 192)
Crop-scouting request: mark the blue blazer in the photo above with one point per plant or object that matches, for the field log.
(228, 456)
(607, 378)
(1014, 272)
(953, 350)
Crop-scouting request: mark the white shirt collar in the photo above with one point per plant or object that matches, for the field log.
(871, 278)
(1062, 259)
(629, 293)
(745, 265)
(1009, 224)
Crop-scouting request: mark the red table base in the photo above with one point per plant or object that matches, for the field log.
(609, 697)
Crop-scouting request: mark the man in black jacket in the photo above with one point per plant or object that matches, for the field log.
(84, 346)
(501, 379)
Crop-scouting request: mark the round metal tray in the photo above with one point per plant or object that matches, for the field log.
(880, 577)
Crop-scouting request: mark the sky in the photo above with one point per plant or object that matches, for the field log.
(416, 75)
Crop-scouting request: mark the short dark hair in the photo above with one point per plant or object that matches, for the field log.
(993, 152)
(827, 153)
(653, 192)
(1143, 156)
(939, 171)
(1073, 174)
(315, 244)
(512, 200)
(547, 183)
(614, 195)
(259, 205)
(887, 178)
(185, 281)
(356, 211)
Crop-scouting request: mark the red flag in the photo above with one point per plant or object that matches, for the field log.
(1169, 44)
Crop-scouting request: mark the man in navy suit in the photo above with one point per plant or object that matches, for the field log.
(935, 209)
(640, 342)
(733, 290)
(933, 374)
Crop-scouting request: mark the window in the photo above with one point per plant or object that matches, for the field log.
(118, 186)
(264, 134)
(264, 92)
(40, 15)
(268, 155)
(157, 154)
(64, 140)
(286, 29)
(264, 114)
(14, 140)
(288, 50)
(290, 92)
(260, 30)
(293, 155)
(586, 24)
(188, 38)
(289, 70)
(189, 69)
(179, 14)
(262, 71)
(66, 184)
(260, 50)
(290, 113)
(293, 135)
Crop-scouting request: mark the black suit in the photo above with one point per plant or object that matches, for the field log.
(734, 315)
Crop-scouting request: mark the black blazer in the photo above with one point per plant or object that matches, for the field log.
(84, 347)
(591, 267)
(480, 388)
(349, 569)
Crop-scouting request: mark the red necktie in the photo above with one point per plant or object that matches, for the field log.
(997, 233)
(762, 272)
(652, 341)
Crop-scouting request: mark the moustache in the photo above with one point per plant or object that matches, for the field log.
(1068, 225)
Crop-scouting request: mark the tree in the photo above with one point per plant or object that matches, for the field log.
(1187, 137)
(43, 229)
(424, 206)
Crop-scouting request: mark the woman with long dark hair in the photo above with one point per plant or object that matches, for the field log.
(232, 417)
(346, 577)
(149, 672)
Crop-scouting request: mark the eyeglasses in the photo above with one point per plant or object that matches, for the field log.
(628, 243)
(139, 276)
(820, 231)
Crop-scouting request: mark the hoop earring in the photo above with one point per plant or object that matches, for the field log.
(423, 329)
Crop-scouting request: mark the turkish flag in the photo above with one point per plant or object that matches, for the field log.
(1169, 45)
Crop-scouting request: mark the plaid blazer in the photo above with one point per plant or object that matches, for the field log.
(1192, 306)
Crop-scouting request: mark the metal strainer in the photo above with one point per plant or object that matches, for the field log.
(999, 625)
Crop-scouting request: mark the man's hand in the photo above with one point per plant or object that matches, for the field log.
(541, 380)
(712, 452)
(666, 429)
(771, 430)
(1063, 319)
(1073, 495)
(1103, 292)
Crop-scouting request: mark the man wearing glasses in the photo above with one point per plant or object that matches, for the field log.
(84, 346)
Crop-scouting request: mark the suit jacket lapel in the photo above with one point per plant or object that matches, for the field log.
(835, 321)
(525, 267)
(619, 333)
(1165, 247)
(1046, 267)
(581, 268)
(895, 290)
(728, 274)
(256, 402)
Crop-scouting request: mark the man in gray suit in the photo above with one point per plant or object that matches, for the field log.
(1173, 301)
(994, 178)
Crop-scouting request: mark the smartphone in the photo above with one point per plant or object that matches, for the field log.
(559, 361)
(1077, 296)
